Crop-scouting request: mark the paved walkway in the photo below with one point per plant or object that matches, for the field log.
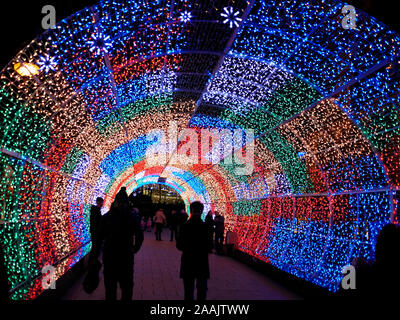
(157, 277)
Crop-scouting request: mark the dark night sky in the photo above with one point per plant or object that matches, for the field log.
(21, 20)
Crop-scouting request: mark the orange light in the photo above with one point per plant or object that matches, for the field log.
(26, 69)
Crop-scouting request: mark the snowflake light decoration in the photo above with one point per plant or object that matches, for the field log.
(185, 16)
(99, 43)
(47, 63)
(231, 17)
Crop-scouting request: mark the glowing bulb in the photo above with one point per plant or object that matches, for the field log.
(185, 16)
(26, 69)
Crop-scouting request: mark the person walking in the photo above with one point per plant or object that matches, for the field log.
(173, 224)
(378, 278)
(4, 287)
(181, 219)
(159, 220)
(193, 242)
(122, 236)
(91, 280)
(219, 232)
(384, 279)
(210, 226)
(95, 219)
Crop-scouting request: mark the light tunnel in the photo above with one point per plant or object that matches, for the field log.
(77, 102)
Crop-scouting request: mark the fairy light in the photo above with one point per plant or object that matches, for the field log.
(185, 16)
(99, 43)
(47, 63)
(230, 16)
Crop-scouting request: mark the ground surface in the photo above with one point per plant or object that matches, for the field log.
(157, 277)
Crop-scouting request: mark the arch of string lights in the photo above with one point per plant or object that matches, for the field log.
(319, 97)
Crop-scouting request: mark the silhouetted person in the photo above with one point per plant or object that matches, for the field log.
(123, 237)
(363, 277)
(135, 212)
(386, 268)
(219, 232)
(181, 219)
(381, 278)
(167, 213)
(193, 242)
(159, 220)
(146, 210)
(173, 224)
(3, 277)
(210, 227)
(95, 219)
(135, 207)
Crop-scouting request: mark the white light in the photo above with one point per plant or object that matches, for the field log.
(99, 43)
(231, 17)
(47, 63)
(185, 16)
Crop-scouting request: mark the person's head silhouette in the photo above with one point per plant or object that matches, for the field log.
(99, 202)
(196, 208)
(121, 199)
(388, 245)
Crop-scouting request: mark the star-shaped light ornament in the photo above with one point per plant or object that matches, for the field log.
(186, 16)
(231, 17)
(99, 43)
(47, 63)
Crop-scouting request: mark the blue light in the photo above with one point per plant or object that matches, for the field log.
(99, 43)
(301, 154)
(47, 63)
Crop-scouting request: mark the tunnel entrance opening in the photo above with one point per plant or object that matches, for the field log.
(150, 197)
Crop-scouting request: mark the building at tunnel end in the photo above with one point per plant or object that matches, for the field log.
(316, 83)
